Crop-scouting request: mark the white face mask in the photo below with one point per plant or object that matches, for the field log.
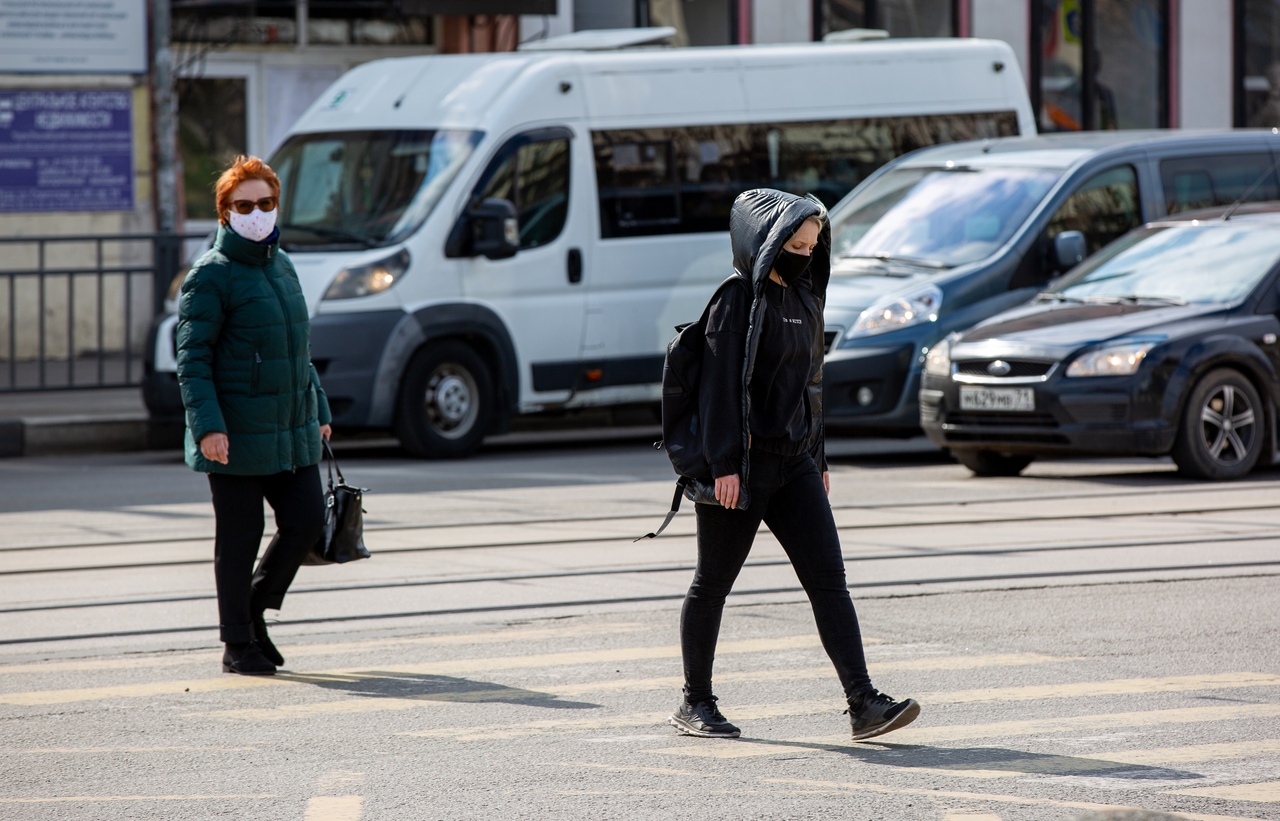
(255, 225)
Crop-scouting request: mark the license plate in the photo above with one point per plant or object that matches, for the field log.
(997, 399)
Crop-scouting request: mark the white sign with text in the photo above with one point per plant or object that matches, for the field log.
(73, 36)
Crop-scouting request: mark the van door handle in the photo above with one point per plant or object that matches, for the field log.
(574, 265)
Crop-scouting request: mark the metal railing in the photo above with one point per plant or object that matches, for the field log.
(74, 310)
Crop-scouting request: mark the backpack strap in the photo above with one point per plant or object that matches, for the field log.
(681, 484)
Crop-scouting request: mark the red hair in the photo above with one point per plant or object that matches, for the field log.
(242, 168)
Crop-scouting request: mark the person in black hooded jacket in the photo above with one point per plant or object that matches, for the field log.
(760, 397)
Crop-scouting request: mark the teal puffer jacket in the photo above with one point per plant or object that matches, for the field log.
(244, 360)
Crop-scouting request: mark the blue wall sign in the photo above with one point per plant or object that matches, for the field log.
(66, 150)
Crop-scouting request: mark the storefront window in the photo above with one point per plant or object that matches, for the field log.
(901, 18)
(1100, 64)
(1258, 63)
(211, 131)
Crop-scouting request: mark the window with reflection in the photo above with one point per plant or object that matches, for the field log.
(1100, 64)
(1258, 63)
(1217, 181)
(901, 18)
(1105, 208)
(535, 179)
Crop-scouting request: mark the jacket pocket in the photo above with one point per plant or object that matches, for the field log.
(256, 373)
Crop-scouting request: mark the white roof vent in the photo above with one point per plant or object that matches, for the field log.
(603, 39)
(855, 36)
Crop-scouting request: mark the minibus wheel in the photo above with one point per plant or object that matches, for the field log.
(990, 462)
(446, 401)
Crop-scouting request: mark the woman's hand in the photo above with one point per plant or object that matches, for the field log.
(727, 488)
(326, 432)
(826, 481)
(215, 447)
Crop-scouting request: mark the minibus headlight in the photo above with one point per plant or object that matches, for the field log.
(899, 312)
(367, 280)
(938, 361)
(1114, 360)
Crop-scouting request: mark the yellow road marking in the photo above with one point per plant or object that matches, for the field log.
(994, 798)
(1196, 753)
(966, 732)
(513, 635)
(115, 750)
(334, 808)
(1084, 689)
(1267, 791)
(348, 706)
(440, 668)
(78, 799)
(627, 769)
(921, 735)
(969, 815)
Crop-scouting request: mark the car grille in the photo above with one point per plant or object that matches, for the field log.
(1019, 368)
(983, 428)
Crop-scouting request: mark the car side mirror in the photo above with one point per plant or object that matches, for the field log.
(1069, 249)
(495, 229)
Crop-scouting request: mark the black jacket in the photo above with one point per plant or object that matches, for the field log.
(761, 222)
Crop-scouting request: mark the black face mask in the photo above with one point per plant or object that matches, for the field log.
(790, 265)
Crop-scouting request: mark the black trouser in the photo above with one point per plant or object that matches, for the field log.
(788, 496)
(298, 502)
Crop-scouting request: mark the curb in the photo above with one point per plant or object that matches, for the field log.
(62, 435)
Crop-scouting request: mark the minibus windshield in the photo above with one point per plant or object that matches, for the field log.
(1172, 264)
(364, 188)
(937, 218)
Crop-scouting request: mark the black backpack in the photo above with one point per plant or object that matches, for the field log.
(681, 423)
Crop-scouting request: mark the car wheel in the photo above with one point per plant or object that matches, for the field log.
(446, 402)
(992, 463)
(1221, 432)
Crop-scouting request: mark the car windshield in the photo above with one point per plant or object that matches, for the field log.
(1216, 262)
(938, 217)
(364, 188)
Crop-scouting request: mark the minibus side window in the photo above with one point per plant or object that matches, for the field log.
(684, 179)
(1216, 181)
(535, 179)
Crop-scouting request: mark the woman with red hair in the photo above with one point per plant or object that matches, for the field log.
(255, 411)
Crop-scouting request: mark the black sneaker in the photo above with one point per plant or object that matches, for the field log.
(703, 719)
(875, 713)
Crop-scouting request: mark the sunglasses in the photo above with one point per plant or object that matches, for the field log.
(264, 205)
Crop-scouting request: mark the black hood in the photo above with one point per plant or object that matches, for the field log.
(761, 222)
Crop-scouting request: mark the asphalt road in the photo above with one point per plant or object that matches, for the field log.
(1094, 635)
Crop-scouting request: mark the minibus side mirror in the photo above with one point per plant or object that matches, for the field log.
(494, 228)
(1069, 249)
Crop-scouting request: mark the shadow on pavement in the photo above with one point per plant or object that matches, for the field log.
(379, 684)
(965, 760)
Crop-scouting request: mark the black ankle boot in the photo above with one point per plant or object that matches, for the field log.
(264, 641)
(247, 660)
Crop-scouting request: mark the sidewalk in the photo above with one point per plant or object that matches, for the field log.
(41, 423)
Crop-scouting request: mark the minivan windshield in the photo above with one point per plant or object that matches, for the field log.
(1217, 262)
(364, 188)
(938, 217)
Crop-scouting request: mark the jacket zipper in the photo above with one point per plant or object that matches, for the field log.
(257, 372)
(288, 334)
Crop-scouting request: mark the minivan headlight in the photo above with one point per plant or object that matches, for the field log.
(1113, 360)
(938, 361)
(899, 312)
(366, 280)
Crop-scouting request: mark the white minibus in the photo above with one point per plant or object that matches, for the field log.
(481, 236)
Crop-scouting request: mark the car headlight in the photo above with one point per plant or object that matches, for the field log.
(366, 280)
(1114, 360)
(938, 361)
(900, 312)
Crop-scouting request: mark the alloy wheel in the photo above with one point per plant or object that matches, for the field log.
(1227, 425)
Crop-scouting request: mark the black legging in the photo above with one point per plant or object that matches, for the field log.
(788, 496)
(298, 502)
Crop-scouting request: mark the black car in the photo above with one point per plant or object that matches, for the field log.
(1165, 342)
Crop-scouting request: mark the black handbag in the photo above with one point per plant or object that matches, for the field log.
(342, 540)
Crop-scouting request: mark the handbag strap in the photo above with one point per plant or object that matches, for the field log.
(332, 462)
